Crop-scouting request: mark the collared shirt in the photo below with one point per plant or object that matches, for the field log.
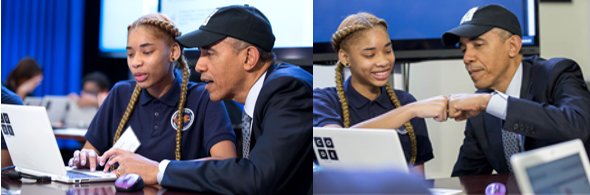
(328, 110)
(153, 121)
(248, 108)
(498, 104)
(253, 96)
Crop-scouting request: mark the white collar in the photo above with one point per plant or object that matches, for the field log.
(514, 86)
(253, 95)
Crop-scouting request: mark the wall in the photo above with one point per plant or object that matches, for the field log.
(565, 32)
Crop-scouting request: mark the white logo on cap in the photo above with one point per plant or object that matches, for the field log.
(468, 16)
(207, 21)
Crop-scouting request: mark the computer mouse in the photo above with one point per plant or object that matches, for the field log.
(496, 189)
(129, 183)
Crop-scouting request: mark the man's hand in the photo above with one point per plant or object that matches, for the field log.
(130, 162)
(465, 106)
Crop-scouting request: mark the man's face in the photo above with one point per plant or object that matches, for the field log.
(221, 69)
(486, 59)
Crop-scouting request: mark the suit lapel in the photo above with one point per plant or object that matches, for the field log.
(493, 128)
(256, 131)
(525, 89)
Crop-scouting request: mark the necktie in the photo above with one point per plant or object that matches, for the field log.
(246, 132)
(510, 141)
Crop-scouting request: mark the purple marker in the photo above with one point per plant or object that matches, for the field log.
(129, 183)
(496, 189)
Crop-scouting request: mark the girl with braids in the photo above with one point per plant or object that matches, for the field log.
(366, 99)
(171, 117)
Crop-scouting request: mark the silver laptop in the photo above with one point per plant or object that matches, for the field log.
(77, 117)
(557, 169)
(33, 147)
(56, 107)
(358, 149)
(32, 101)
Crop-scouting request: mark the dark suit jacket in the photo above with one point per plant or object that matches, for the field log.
(554, 106)
(281, 147)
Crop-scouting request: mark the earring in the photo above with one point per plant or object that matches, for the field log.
(347, 65)
(172, 59)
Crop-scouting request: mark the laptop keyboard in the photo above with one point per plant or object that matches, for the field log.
(74, 174)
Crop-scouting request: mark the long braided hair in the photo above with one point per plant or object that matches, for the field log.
(162, 27)
(348, 28)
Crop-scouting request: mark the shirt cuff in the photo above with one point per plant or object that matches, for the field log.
(498, 105)
(162, 168)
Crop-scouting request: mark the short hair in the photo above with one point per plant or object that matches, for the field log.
(99, 78)
(238, 45)
(504, 35)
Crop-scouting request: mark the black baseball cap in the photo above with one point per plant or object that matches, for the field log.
(242, 22)
(479, 20)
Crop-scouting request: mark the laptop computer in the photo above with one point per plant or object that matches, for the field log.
(557, 169)
(78, 117)
(56, 107)
(358, 149)
(33, 101)
(33, 147)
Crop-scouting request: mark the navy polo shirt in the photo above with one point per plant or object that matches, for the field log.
(9, 97)
(328, 110)
(152, 120)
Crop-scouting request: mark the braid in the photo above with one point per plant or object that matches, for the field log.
(337, 39)
(128, 111)
(408, 125)
(180, 124)
(340, 89)
(340, 35)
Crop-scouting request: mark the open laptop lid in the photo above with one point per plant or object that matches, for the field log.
(56, 107)
(32, 101)
(557, 169)
(31, 141)
(358, 149)
(78, 117)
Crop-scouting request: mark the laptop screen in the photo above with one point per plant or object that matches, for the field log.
(562, 176)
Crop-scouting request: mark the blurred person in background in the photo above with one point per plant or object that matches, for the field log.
(94, 86)
(25, 77)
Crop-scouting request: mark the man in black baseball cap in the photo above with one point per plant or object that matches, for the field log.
(521, 103)
(237, 64)
(479, 20)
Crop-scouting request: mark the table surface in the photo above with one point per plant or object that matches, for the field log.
(476, 184)
(70, 133)
(104, 188)
(468, 184)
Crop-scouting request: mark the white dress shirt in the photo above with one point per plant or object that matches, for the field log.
(498, 104)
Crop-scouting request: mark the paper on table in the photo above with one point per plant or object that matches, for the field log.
(128, 141)
(443, 191)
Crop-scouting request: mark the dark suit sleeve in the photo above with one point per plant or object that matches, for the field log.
(472, 160)
(566, 117)
(276, 158)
